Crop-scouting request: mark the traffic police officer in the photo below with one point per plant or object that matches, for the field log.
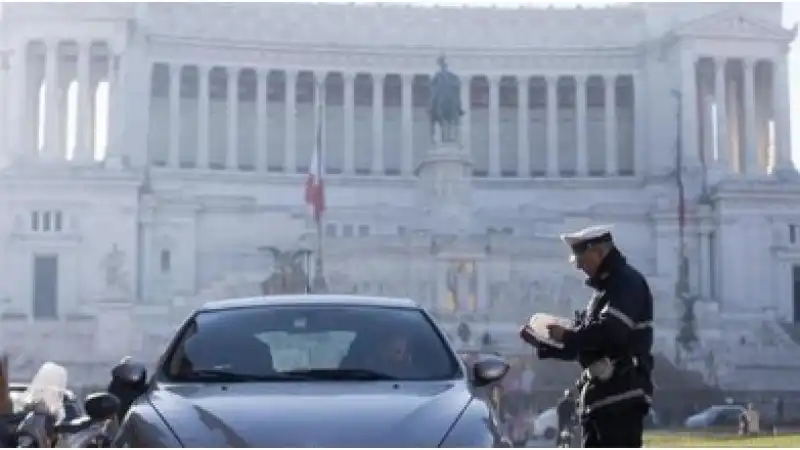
(611, 340)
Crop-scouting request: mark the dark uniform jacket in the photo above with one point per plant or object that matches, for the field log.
(617, 325)
(565, 412)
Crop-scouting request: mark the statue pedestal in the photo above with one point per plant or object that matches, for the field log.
(115, 326)
(445, 189)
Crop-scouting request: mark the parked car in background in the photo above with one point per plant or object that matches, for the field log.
(722, 416)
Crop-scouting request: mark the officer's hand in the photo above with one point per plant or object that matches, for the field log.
(527, 335)
(556, 331)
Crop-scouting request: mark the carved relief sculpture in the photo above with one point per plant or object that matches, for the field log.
(462, 287)
(116, 277)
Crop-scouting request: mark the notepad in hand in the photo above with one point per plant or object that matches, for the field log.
(538, 327)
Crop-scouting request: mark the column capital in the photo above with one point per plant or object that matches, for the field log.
(609, 78)
(262, 72)
(580, 79)
(232, 70)
(407, 77)
(494, 78)
(291, 73)
(720, 62)
(378, 77)
(523, 79)
(749, 62)
(551, 78)
(349, 77)
(175, 69)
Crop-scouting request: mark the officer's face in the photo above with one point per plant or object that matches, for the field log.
(588, 261)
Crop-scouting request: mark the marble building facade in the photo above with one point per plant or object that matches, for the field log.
(152, 149)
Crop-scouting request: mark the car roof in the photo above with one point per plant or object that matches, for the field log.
(309, 299)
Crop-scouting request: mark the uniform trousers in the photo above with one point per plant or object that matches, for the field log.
(615, 427)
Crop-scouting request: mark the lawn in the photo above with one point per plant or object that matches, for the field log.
(699, 439)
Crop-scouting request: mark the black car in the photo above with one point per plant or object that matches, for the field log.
(311, 371)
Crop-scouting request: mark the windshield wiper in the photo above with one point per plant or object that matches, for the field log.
(233, 377)
(341, 374)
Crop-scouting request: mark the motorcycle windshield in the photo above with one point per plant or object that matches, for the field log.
(47, 389)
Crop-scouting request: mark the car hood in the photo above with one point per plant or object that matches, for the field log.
(330, 414)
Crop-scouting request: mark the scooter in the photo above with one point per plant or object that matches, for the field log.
(43, 425)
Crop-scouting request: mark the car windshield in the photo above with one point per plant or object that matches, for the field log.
(310, 342)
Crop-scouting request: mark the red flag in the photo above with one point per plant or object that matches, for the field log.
(315, 188)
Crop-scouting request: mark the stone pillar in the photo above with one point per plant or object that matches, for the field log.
(290, 134)
(203, 111)
(51, 147)
(552, 126)
(581, 107)
(232, 149)
(84, 127)
(705, 265)
(116, 108)
(640, 153)
(610, 119)
(262, 121)
(5, 103)
(349, 118)
(407, 112)
(751, 130)
(466, 105)
(689, 138)
(707, 106)
(174, 116)
(723, 162)
(494, 125)
(319, 99)
(377, 124)
(782, 117)
(523, 122)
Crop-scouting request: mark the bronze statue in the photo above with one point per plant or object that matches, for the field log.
(289, 276)
(445, 104)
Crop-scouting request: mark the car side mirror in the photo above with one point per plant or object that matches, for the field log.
(488, 369)
(101, 406)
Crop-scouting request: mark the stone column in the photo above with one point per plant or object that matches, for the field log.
(174, 115)
(203, 110)
(407, 112)
(723, 162)
(705, 265)
(751, 130)
(51, 146)
(610, 118)
(349, 118)
(688, 103)
(290, 133)
(232, 149)
(377, 123)
(523, 122)
(116, 108)
(782, 117)
(707, 106)
(5, 103)
(552, 126)
(262, 121)
(494, 125)
(466, 105)
(83, 148)
(581, 107)
(640, 153)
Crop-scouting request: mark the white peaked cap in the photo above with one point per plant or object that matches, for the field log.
(586, 234)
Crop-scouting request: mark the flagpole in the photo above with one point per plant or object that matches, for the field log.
(319, 273)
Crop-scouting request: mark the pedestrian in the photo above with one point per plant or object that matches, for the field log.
(611, 340)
